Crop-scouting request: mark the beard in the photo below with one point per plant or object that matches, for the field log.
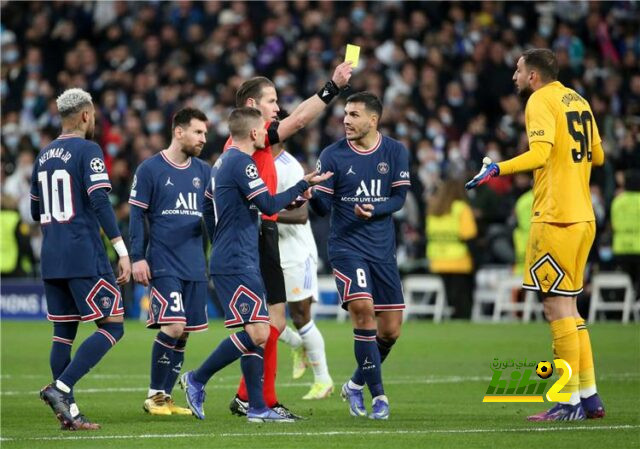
(192, 151)
(525, 92)
(358, 135)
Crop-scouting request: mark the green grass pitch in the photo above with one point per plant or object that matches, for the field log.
(435, 378)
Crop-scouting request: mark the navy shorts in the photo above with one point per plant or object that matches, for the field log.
(83, 299)
(362, 279)
(173, 300)
(242, 297)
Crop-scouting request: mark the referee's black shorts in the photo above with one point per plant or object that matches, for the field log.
(270, 267)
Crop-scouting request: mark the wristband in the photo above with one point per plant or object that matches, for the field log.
(121, 248)
(328, 92)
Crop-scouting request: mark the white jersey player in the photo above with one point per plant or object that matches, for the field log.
(299, 260)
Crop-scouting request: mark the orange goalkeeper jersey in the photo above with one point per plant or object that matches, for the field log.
(558, 115)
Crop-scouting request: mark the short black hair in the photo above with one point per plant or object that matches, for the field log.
(543, 61)
(370, 101)
(252, 89)
(184, 116)
(242, 120)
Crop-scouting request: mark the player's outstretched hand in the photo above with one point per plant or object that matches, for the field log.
(489, 170)
(342, 74)
(314, 178)
(141, 272)
(364, 211)
(124, 270)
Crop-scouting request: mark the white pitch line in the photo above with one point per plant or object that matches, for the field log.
(328, 433)
(393, 381)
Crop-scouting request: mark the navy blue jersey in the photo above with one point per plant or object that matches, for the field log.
(172, 196)
(64, 174)
(237, 193)
(378, 176)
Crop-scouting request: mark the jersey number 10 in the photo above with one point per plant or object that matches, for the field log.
(585, 121)
(55, 205)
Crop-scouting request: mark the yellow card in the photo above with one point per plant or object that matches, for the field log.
(353, 55)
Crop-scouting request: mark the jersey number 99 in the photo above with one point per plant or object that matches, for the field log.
(584, 120)
(55, 205)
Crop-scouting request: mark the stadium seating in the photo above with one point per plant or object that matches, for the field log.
(425, 295)
(506, 303)
(328, 301)
(608, 281)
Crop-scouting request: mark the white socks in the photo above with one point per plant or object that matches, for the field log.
(314, 345)
(588, 392)
(290, 337)
(153, 392)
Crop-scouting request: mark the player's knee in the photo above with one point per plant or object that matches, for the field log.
(258, 332)
(300, 315)
(389, 336)
(114, 329)
(556, 308)
(362, 314)
(174, 330)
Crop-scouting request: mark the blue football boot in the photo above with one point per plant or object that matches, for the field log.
(194, 391)
(356, 400)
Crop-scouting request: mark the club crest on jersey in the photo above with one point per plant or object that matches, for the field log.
(251, 171)
(96, 165)
(196, 182)
(105, 302)
(383, 168)
(244, 308)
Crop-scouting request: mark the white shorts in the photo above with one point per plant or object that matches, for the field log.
(301, 281)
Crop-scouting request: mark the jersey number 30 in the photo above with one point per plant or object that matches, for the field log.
(57, 202)
(575, 121)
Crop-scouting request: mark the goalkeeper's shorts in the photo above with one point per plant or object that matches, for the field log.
(556, 256)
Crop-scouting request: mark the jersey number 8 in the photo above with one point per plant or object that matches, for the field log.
(361, 277)
(54, 204)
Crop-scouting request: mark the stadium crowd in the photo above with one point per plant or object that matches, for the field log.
(443, 70)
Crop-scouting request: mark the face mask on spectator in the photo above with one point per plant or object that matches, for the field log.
(357, 15)
(29, 102)
(281, 81)
(154, 127)
(401, 129)
(455, 101)
(31, 86)
(10, 56)
(35, 141)
(517, 21)
(432, 132)
(112, 149)
(11, 141)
